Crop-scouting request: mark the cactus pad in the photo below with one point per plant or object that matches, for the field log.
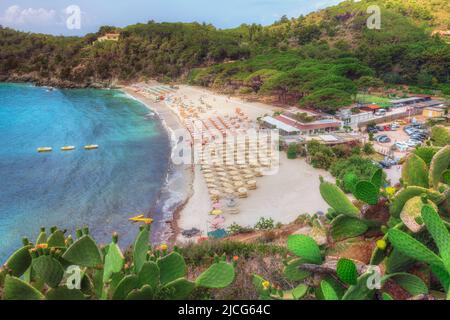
(304, 247)
(366, 191)
(64, 293)
(377, 178)
(337, 199)
(219, 275)
(411, 283)
(179, 289)
(446, 177)
(412, 248)
(439, 232)
(144, 293)
(114, 261)
(328, 291)
(56, 239)
(439, 164)
(140, 248)
(343, 227)
(171, 267)
(19, 261)
(292, 271)
(350, 180)
(415, 171)
(84, 252)
(16, 289)
(426, 153)
(299, 291)
(125, 286)
(149, 274)
(411, 213)
(346, 271)
(405, 194)
(48, 269)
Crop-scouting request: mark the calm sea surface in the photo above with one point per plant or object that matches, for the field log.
(99, 188)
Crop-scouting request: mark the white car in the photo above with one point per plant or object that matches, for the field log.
(412, 143)
(402, 146)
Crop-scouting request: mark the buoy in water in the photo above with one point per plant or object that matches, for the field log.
(91, 147)
(44, 149)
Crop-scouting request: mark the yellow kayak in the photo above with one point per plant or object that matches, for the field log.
(68, 148)
(141, 218)
(136, 218)
(91, 147)
(45, 149)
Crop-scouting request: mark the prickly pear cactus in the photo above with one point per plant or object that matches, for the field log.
(415, 171)
(343, 227)
(114, 260)
(171, 267)
(48, 269)
(412, 212)
(337, 199)
(412, 248)
(350, 180)
(141, 247)
(439, 164)
(19, 261)
(404, 195)
(439, 233)
(304, 247)
(346, 271)
(368, 192)
(426, 153)
(219, 275)
(84, 252)
(292, 271)
(17, 289)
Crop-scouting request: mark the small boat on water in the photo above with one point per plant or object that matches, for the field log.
(91, 147)
(68, 148)
(141, 218)
(136, 218)
(44, 149)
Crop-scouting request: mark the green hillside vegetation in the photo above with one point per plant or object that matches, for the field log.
(319, 60)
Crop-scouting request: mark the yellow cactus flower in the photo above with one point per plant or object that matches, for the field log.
(42, 246)
(391, 191)
(163, 247)
(266, 284)
(381, 244)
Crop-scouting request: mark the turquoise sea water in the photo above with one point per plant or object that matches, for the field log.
(99, 188)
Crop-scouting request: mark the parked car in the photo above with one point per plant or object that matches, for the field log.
(401, 146)
(409, 131)
(387, 128)
(372, 130)
(383, 139)
(413, 143)
(380, 128)
(380, 113)
(385, 164)
(419, 136)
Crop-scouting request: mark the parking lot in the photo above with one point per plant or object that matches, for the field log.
(395, 135)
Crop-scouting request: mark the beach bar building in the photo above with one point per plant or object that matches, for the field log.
(313, 127)
(284, 128)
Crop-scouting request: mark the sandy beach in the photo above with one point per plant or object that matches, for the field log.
(291, 192)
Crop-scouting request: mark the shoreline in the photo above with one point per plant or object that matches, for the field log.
(171, 123)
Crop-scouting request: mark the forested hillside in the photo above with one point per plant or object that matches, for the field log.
(293, 58)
